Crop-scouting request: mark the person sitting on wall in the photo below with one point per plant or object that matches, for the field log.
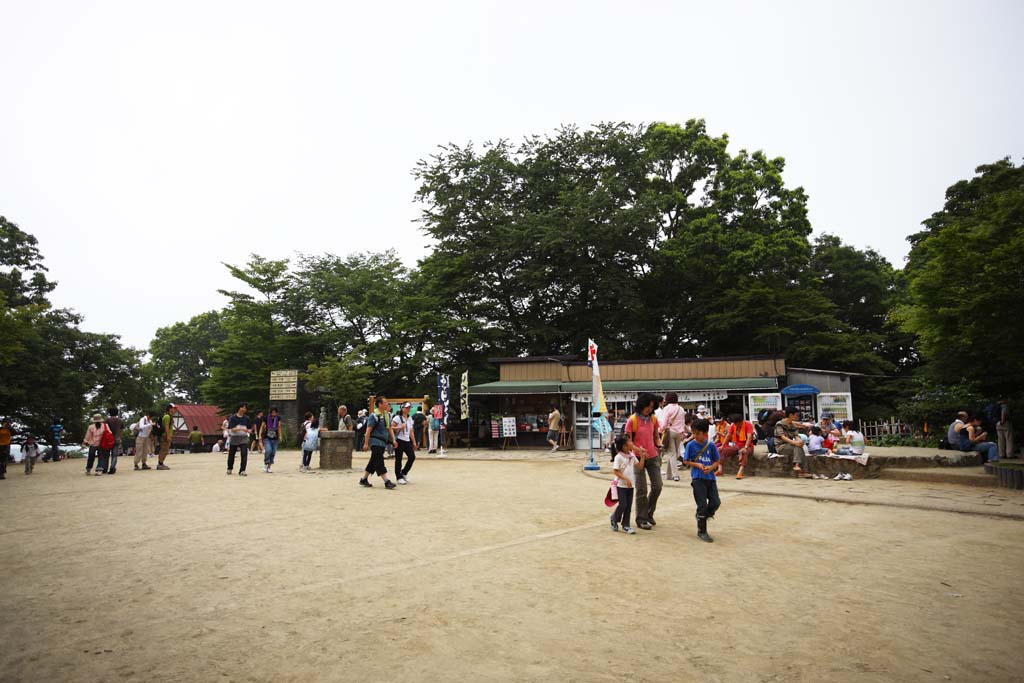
(974, 438)
(738, 439)
(788, 443)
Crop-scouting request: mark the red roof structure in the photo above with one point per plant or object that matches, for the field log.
(208, 418)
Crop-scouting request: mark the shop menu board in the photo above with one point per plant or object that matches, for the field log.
(841, 405)
(503, 429)
(759, 402)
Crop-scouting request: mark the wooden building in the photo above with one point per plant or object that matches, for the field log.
(529, 386)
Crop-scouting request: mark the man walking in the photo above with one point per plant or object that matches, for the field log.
(143, 441)
(5, 446)
(554, 420)
(436, 426)
(1004, 431)
(167, 424)
(239, 427)
(379, 433)
(116, 425)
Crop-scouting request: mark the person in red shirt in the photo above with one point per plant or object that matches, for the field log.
(739, 440)
(642, 427)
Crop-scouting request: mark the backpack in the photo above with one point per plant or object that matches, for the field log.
(158, 428)
(106, 439)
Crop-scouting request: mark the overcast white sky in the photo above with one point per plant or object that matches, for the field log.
(144, 143)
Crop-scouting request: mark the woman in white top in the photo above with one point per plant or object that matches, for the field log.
(673, 424)
(402, 425)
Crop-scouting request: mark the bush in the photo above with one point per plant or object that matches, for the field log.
(898, 440)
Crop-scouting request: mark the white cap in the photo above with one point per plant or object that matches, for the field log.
(702, 409)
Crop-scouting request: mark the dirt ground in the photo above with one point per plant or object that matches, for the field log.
(486, 571)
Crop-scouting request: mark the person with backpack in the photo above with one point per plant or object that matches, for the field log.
(642, 428)
(379, 433)
(165, 433)
(99, 440)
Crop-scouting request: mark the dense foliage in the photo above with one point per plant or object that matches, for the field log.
(655, 240)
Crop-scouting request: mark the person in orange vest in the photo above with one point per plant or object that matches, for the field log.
(738, 440)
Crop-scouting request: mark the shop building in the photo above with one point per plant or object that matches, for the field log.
(528, 387)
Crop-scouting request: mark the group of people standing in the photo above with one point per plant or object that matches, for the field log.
(637, 454)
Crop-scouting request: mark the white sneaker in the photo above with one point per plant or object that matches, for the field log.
(554, 448)
(838, 477)
(772, 456)
(403, 480)
(442, 454)
(264, 469)
(847, 476)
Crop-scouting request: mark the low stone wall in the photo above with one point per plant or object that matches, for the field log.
(761, 465)
(336, 450)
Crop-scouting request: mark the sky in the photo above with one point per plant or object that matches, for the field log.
(145, 144)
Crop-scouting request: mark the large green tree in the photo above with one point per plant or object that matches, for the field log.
(653, 239)
(965, 273)
(51, 368)
(181, 355)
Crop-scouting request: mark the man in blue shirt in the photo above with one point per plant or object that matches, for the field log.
(702, 457)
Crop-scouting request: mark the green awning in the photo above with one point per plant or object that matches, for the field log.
(553, 387)
(506, 388)
(733, 384)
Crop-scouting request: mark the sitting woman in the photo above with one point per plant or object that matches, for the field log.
(853, 441)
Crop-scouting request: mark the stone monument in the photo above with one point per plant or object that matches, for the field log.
(336, 449)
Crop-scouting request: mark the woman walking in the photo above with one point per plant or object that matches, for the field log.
(673, 433)
(642, 427)
(402, 426)
(271, 434)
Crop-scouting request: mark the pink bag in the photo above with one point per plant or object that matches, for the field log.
(611, 499)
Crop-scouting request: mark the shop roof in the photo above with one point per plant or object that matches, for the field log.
(553, 387)
(734, 384)
(504, 388)
(208, 418)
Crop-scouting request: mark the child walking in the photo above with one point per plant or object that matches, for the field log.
(625, 463)
(703, 460)
(309, 444)
(30, 451)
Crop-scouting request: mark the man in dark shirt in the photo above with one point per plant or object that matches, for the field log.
(116, 425)
(419, 421)
(239, 428)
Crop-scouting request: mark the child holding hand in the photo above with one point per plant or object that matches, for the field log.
(625, 464)
(702, 458)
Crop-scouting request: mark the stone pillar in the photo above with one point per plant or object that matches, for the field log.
(336, 450)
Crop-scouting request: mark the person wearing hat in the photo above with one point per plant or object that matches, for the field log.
(404, 442)
(92, 441)
(360, 429)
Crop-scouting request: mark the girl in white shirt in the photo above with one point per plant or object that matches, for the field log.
(625, 464)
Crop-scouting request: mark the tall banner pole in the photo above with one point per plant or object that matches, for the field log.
(464, 405)
(595, 397)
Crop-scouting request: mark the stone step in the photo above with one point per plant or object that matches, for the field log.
(969, 476)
